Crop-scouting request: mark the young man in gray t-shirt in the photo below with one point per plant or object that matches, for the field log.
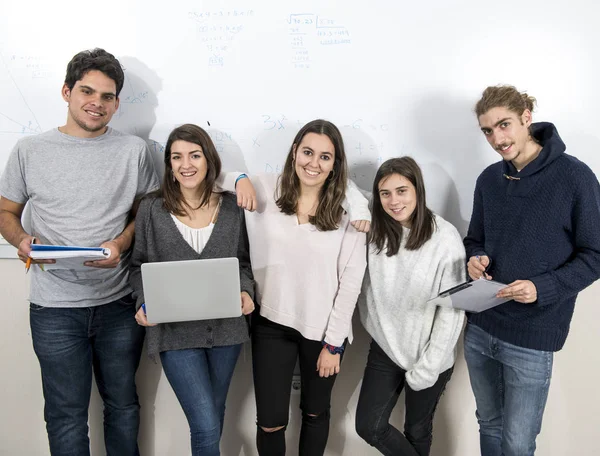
(82, 181)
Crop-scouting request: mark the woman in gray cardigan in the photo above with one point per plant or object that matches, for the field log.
(187, 220)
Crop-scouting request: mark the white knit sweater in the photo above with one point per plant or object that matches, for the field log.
(419, 337)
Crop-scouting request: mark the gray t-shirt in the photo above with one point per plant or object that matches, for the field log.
(80, 192)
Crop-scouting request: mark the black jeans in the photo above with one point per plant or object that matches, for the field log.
(382, 384)
(275, 349)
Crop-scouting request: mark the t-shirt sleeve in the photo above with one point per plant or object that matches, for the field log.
(13, 185)
(147, 179)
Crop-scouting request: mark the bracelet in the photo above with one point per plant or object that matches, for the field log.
(241, 176)
(332, 349)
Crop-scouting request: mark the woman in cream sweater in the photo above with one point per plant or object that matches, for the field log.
(413, 255)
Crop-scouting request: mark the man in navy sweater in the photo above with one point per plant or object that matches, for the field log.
(536, 227)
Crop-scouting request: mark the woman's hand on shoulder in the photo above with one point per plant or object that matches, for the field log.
(247, 303)
(361, 225)
(328, 364)
(246, 194)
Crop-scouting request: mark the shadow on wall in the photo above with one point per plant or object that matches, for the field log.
(230, 152)
(446, 128)
(442, 195)
(138, 104)
(363, 155)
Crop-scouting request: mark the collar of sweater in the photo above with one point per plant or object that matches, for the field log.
(553, 147)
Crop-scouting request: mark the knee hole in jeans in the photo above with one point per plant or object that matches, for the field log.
(314, 417)
(273, 429)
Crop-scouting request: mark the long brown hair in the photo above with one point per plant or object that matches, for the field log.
(329, 210)
(385, 231)
(170, 190)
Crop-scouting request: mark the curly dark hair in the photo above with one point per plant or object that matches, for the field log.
(94, 59)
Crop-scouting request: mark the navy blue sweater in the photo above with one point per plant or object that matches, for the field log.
(543, 227)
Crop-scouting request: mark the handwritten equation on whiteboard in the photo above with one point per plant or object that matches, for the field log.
(305, 28)
(217, 29)
(16, 115)
(36, 66)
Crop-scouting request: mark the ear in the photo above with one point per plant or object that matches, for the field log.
(66, 93)
(526, 117)
(294, 152)
(117, 103)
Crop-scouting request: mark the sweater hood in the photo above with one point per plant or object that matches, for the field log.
(553, 147)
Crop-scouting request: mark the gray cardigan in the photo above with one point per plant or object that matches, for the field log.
(158, 239)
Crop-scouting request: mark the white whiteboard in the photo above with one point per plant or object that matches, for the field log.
(398, 78)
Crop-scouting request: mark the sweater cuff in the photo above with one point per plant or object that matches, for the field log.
(248, 288)
(334, 342)
(419, 380)
(476, 252)
(139, 301)
(356, 204)
(545, 286)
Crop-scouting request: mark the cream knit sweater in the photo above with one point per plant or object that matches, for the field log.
(419, 337)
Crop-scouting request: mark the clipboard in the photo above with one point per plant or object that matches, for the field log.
(475, 296)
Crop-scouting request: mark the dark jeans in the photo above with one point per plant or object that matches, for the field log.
(200, 378)
(69, 344)
(511, 385)
(382, 384)
(275, 349)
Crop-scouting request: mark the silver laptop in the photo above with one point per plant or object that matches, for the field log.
(192, 290)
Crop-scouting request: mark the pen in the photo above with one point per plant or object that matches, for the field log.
(486, 268)
(28, 263)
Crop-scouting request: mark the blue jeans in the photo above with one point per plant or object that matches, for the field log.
(69, 344)
(200, 378)
(511, 385)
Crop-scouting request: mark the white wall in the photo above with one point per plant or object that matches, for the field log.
(570, 428)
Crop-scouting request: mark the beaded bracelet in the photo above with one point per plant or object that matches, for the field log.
(332, 349)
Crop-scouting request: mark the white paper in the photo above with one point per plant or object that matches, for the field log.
(69, 259)
(72, 263)
(475, 296)
(51, 255)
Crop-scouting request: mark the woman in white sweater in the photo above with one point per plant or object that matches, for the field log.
(308, 263)
(413, 255)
